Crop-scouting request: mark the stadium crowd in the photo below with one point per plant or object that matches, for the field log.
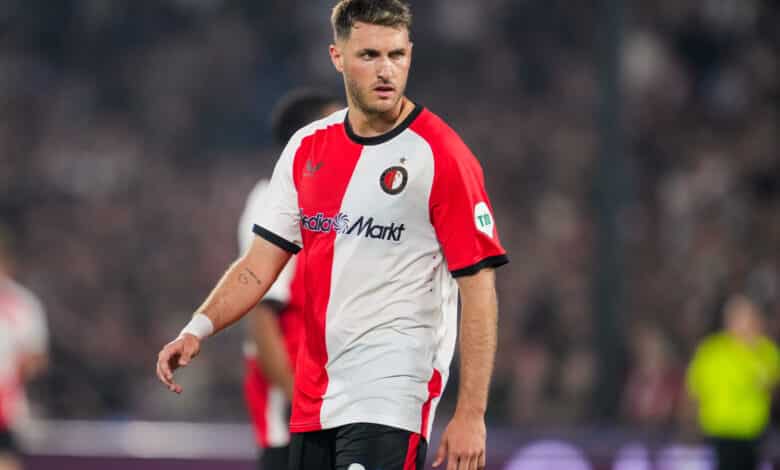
(131, 133)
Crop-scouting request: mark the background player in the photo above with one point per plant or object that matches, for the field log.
(274, 325)
(23, 345)
(383, 253)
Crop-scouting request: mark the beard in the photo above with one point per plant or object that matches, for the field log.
(361, 99)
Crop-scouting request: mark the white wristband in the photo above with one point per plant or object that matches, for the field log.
(200, 326)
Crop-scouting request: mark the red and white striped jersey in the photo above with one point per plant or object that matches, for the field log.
(387, 223)
(22, 331)
(267, 404)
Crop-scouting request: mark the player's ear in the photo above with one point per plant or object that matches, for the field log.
(336, 57)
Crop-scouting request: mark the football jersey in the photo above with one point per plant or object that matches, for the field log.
(387, 222)
(22, 331)
(267, 404)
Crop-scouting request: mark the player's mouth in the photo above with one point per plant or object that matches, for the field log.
(384, 91)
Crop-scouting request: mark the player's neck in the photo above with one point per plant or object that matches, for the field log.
(372, 125)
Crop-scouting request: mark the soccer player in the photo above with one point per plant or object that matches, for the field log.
(390, 207)
(275, 323)
(23, 345)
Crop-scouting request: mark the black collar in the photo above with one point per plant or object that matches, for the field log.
(380, 139)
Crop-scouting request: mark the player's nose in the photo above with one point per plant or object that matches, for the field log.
(384, 69)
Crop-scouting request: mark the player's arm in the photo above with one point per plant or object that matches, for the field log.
(240, 288)
(463, 443)
(271, 350)
(478, 333)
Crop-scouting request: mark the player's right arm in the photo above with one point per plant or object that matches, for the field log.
(241, 287)
(271, 350)
(250, 277)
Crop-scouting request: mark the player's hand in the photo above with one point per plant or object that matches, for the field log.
(463, 443)
(177, 353)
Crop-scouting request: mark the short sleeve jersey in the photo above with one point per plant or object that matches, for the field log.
(388, 222)
(23, 331)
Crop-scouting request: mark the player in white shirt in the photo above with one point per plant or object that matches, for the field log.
(23, 351)
(276, 323)
(391, 209)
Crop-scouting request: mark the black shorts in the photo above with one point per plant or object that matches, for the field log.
(7, 443)
(274, 458)
(356, 447)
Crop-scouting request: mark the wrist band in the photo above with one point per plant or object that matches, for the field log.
(200, 326)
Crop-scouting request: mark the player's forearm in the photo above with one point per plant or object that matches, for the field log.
(234, 295)
(478, 333)
(240, 288)
(271, 350)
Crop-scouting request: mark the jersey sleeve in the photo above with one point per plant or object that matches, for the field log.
(280, 289)
(461, 212)
(277, 217)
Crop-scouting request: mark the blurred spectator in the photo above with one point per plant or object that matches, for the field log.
(731, 377)
(23, 345)
(655, 381)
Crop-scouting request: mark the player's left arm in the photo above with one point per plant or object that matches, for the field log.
(463, 442)
(462, 216)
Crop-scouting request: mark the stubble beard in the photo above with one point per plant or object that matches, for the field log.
(360, 100)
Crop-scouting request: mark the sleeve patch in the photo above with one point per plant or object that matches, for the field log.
(483, 219)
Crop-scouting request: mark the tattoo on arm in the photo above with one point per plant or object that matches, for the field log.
(243, 277)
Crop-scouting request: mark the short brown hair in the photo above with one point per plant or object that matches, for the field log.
(392, 13)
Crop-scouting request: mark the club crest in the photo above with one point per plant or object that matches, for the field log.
(393, 180)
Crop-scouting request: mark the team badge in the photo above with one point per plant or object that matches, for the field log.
(393, 180)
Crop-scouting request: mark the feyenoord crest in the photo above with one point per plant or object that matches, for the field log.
(393, 180)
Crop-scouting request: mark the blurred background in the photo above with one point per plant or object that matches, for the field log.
(630, 149)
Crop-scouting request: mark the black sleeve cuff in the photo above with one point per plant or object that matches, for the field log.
(492, 262)
(276, 239)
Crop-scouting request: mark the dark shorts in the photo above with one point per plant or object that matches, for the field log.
(274, 458)
(737, 454)
(356, 447)
(7, 443)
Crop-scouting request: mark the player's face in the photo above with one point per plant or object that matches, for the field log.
(375, 63)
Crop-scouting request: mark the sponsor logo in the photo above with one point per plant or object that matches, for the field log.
(311, 168)
(483, 219)
(393, 180)
(322, 224)
(362, 227)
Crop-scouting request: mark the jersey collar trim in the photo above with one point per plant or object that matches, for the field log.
(380, 139)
